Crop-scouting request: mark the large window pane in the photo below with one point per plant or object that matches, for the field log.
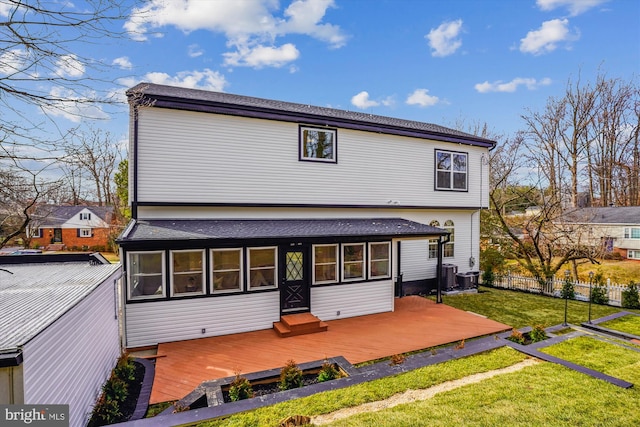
(146, 275)
(353, 261)
(325, 264)
(262, 268)
(227, 270)
(379, 265)
(318, 144)
(187, 276)
(451, 170)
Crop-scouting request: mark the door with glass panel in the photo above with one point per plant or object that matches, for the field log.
(294, 293)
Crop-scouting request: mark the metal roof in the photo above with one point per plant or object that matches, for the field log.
(37, 294)
(198, 229)
(622, 215)
(155, 95)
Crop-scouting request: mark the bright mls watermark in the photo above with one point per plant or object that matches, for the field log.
(34, 415)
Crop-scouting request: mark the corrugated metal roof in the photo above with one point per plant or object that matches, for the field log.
(622, 215)
(35, 295)
(196, 229)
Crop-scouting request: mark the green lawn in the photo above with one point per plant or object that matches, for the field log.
(520, 309)
(540, 395)
(629, 324)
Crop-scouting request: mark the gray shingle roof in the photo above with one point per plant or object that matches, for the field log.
(56, 215)
(36, 295)
(243, 105)
(196, 229)
(627, 215)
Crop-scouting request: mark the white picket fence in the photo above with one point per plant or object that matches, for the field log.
(530, 284)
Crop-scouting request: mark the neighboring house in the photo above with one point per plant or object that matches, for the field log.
(59, 332)
(616, 229)
(72, 227)
(246, 209)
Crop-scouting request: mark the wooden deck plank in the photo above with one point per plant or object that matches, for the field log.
(416, 323)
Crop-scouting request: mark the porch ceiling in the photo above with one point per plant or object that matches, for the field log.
(417, 323)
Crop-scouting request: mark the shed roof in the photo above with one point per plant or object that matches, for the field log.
(198, 229)
(622, 215)
(34, 295)
(155, 95)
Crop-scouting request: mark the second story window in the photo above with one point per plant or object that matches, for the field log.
(318, 144)
(451, 171)
(85, 216)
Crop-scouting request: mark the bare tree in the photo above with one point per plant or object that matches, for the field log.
(42, 77)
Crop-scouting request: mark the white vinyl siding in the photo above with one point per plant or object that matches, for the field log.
(372, 169)
(354, 299)
(153, 322)
(68, 362)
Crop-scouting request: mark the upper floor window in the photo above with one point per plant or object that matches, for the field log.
(318, 144)
(631, 233)
(85, 215)
(451, 171)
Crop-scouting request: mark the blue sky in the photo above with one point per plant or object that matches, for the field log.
(432, 61)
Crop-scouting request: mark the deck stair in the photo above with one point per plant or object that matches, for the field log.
(299, 324)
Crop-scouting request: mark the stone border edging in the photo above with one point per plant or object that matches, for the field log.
(145, 391)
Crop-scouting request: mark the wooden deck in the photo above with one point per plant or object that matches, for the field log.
(416, 323)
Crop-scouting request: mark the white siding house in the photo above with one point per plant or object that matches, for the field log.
(245, 209)
(59, 332)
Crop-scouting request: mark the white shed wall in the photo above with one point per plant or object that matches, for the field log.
(352, 300)
(150, 323)
(227, 159)
(69, 361)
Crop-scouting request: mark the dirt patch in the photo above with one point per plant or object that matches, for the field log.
(415, 395)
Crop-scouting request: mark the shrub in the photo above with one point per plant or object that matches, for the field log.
(115, 392)
(488, 277)
(397, 359)
(630, 297)
(568, 290)
(106, 411)
(240, 388)
(537, 334)
(125, 368)
(516, 336)
(328, 372)
(290, 376)
(599, 291)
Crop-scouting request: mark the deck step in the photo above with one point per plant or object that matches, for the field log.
(299, 324)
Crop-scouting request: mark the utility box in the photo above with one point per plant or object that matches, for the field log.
(449, 272)
(466, 281)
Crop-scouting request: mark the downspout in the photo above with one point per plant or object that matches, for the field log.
(441, 241)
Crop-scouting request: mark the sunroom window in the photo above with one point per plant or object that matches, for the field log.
(325, 264)
(353, 255)
(451, 171)
(146, 275)
(318, 144)
(262, 268)
(187, 275)
(379, 264)
(227, 270)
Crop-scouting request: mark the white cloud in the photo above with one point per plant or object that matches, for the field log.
(422, 98)
(251, 26)
(444, 40)
(69, 66)
(575, 7)
(512, 86)
(205, 80)
(12, 61)
(72, 107)
(547, 38)
(362, 101)
(195, 51)
(123, 62)
(262, 56)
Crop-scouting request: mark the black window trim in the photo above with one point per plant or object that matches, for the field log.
(303, 158)
(435, 171)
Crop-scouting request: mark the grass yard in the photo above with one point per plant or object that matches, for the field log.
(520, 309)
(629, 324)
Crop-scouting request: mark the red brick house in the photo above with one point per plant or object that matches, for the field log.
(71, 227)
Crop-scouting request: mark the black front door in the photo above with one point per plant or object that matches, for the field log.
(294, 294)
(57, 235)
